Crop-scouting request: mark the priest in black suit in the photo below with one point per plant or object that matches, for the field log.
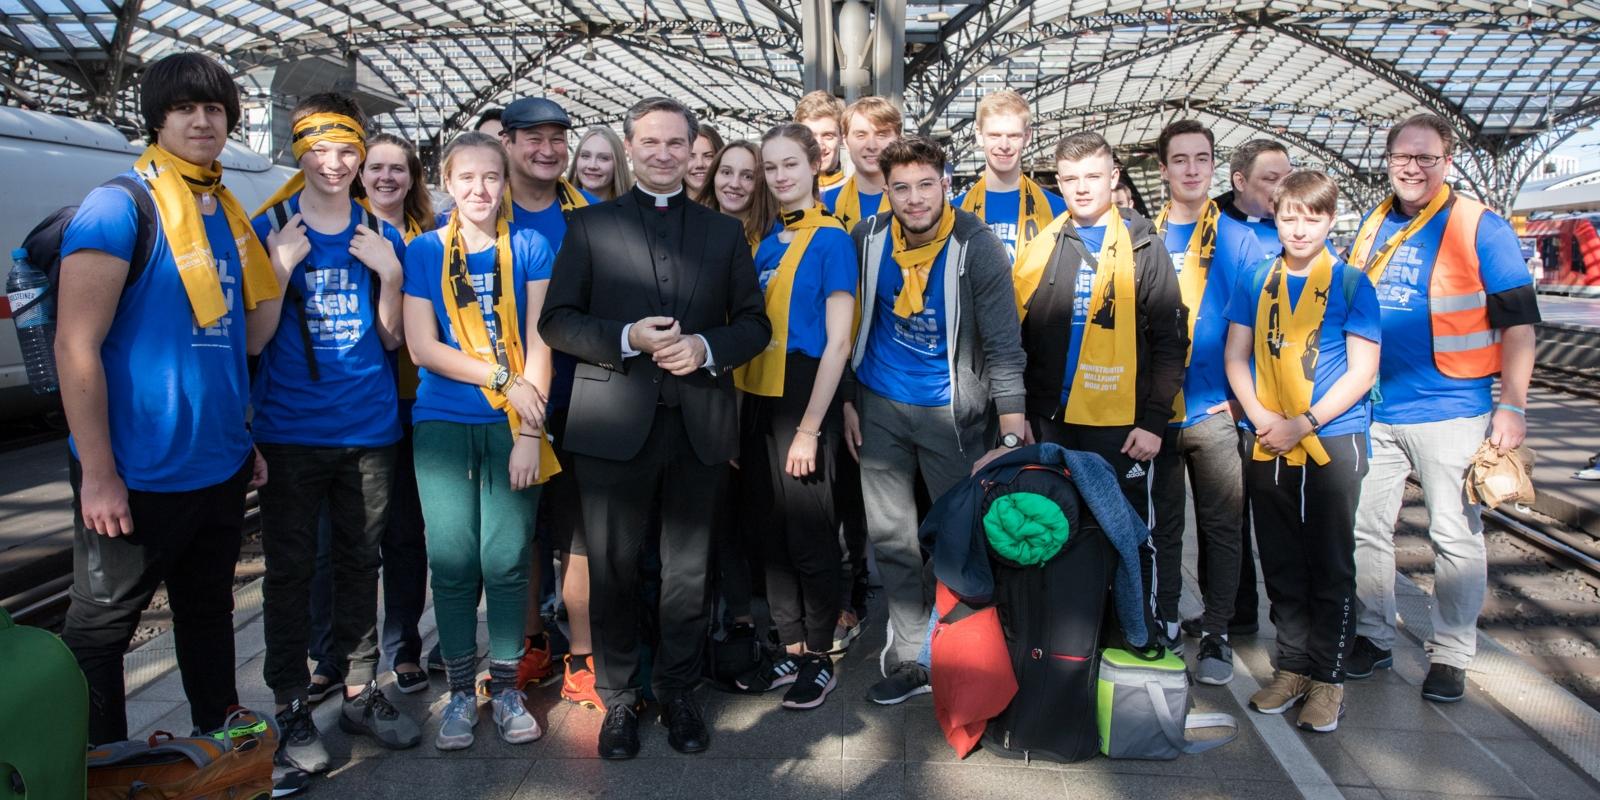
(657, 298)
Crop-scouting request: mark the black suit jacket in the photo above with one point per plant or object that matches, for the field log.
(603, 279)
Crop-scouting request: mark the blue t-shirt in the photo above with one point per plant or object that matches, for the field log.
(438, 397)
(551, 223)
(828, 266)
(1358, 316)
(353, 403)
(1002, 211)
(1410, 386)
(176, 393)
(1205, 383)
(906, 359)
(868, 202)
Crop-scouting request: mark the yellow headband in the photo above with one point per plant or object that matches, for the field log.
(327, 127)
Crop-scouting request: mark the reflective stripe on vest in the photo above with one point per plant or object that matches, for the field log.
(1465, 345)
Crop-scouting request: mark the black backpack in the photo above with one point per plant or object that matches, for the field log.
(278, 216)
(43, 243)
(1052, 616)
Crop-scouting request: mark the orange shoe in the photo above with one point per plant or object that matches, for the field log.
(577, 685)
(536, 667)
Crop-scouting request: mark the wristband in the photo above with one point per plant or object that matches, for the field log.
(1518, 410)
(1312, 418)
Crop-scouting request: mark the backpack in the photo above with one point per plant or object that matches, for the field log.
(43, 243)
(278, 216)
(42, 682)
(1144, 708)
(1052, 615)
(232, 763)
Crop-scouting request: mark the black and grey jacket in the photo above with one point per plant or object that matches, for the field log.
(1163, 338)
(985, 356)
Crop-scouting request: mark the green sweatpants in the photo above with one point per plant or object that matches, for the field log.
(479, 534)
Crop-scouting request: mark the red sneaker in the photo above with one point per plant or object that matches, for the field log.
(577, 685)
(537, 667)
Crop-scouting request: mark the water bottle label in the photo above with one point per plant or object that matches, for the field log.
(33, 316)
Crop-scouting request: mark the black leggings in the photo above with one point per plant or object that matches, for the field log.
(801, 542)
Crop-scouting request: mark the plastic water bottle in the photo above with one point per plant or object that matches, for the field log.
(36, 326)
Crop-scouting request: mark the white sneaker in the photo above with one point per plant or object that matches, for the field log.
(455, 726)
(516, 725)
(1588, 474)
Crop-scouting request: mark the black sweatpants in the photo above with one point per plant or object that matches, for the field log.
(353, 483)
(1305, 521)
(622, 501)
(190, 541)
(801, 543)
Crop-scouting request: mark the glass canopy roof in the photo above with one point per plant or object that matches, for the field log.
(1327, 77)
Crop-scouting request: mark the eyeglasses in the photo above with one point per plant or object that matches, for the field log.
(928, 188)
(1425, 161)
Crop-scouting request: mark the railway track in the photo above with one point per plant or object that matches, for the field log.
(1543, 601)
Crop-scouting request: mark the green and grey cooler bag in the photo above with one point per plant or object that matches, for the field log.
(1143, 708)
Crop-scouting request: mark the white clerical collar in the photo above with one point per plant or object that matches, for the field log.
(662, 200)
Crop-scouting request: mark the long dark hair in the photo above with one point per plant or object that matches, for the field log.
(418, 203)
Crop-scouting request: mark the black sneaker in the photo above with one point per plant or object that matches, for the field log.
(1174, 644)
(1445, 684)
(300, 746)
(1366, 658)
(816, 680)
(782, 672)
(907, 680)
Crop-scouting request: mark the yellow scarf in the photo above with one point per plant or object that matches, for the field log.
(1104, 388)
(1286, 350)
(1192, 278)
(472, 333)
(569, 197)
(1374, 263)
(763, 375)
(1033, 214)
(828, 180)
(916, 262)
(847, 205)
(311, 129)
(173, 184)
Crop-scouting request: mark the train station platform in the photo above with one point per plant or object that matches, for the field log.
(1516, 735)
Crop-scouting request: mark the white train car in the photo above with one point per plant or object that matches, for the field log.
(49, 161)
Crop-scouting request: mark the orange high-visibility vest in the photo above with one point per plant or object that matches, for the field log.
(1465, 345)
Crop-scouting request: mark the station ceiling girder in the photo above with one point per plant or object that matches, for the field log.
(1513, 78)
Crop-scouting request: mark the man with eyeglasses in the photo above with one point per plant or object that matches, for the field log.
(937, 349)
(1458, 308)
(1015, 207)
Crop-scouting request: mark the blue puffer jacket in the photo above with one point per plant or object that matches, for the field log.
(953, 531)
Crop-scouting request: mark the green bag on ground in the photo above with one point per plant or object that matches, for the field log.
(44, 715)
(1143, 708)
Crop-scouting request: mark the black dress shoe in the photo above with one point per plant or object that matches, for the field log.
(1445, 684)
(619, 734)
(686, 731)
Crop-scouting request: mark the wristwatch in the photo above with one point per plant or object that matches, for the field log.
(499, 379)
(1011, 441)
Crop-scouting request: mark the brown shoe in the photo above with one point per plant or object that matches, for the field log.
(1324, 706)
(1285, 690)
